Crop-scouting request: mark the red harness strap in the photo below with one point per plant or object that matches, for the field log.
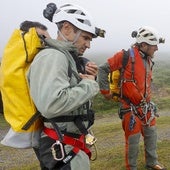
(78, 144)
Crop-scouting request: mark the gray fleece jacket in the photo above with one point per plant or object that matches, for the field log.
(52, 90)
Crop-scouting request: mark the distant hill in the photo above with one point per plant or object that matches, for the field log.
(100, 58)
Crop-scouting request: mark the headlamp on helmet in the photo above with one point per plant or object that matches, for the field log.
(161, 40)
(73, 14)
(49, 11)
(100, 32)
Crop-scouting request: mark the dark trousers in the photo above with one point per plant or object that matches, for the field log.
(42, 166)
(45, 157)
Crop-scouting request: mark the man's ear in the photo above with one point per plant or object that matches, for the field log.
(67, 27)
(143, 44)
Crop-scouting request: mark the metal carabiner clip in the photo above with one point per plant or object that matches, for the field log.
(54, 151)
(145, 108)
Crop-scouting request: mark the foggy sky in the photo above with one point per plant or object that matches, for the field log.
(118, 17)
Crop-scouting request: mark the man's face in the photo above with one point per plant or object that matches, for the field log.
(81, 39)
(151, 50)
(83, 42)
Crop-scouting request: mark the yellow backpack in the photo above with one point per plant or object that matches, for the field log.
(114, 84)
(17, 103)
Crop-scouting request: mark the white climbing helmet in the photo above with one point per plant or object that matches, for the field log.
(75, 15)
(148, 35)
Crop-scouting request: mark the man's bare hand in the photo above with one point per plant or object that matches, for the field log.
(86, 76)
(91, 68)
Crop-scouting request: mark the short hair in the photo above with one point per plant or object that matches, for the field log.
(26, 25)
(60, 25)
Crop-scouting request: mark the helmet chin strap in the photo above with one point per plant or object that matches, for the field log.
(62, 36)
(75, 38)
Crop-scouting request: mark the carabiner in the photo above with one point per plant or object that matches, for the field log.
(54, 151)
(145, 108)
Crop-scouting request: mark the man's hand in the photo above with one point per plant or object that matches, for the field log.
(91, 68)
(86, 76)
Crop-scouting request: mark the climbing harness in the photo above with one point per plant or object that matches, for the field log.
(141, 111)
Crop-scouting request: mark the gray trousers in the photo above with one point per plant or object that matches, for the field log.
(150, 145)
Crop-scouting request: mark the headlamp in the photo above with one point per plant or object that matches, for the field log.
(49, 11)
(161, 40)
(99, 32)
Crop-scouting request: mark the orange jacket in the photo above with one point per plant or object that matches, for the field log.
(141, 89)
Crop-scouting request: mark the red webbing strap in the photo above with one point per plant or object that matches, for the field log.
(76, 143)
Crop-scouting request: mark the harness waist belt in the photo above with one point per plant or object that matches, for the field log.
(125, 110)
(68, 118)
(76, 143)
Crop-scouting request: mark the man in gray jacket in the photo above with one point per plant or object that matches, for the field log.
(62, 85)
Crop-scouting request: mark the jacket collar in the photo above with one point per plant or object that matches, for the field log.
(61, 45)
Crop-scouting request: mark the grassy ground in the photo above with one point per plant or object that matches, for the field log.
(110, 147)
(110, 144)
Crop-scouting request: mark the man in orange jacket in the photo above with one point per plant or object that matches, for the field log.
(137, 111)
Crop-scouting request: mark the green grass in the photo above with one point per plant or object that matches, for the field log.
(110, 144)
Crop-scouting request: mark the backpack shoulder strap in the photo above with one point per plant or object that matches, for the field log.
(70, 71)
(125, 58)
(132, 55)
(126, 54)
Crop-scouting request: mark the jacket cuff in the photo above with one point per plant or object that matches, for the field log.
(104, 91)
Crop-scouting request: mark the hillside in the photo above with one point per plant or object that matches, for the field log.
(100, 58)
